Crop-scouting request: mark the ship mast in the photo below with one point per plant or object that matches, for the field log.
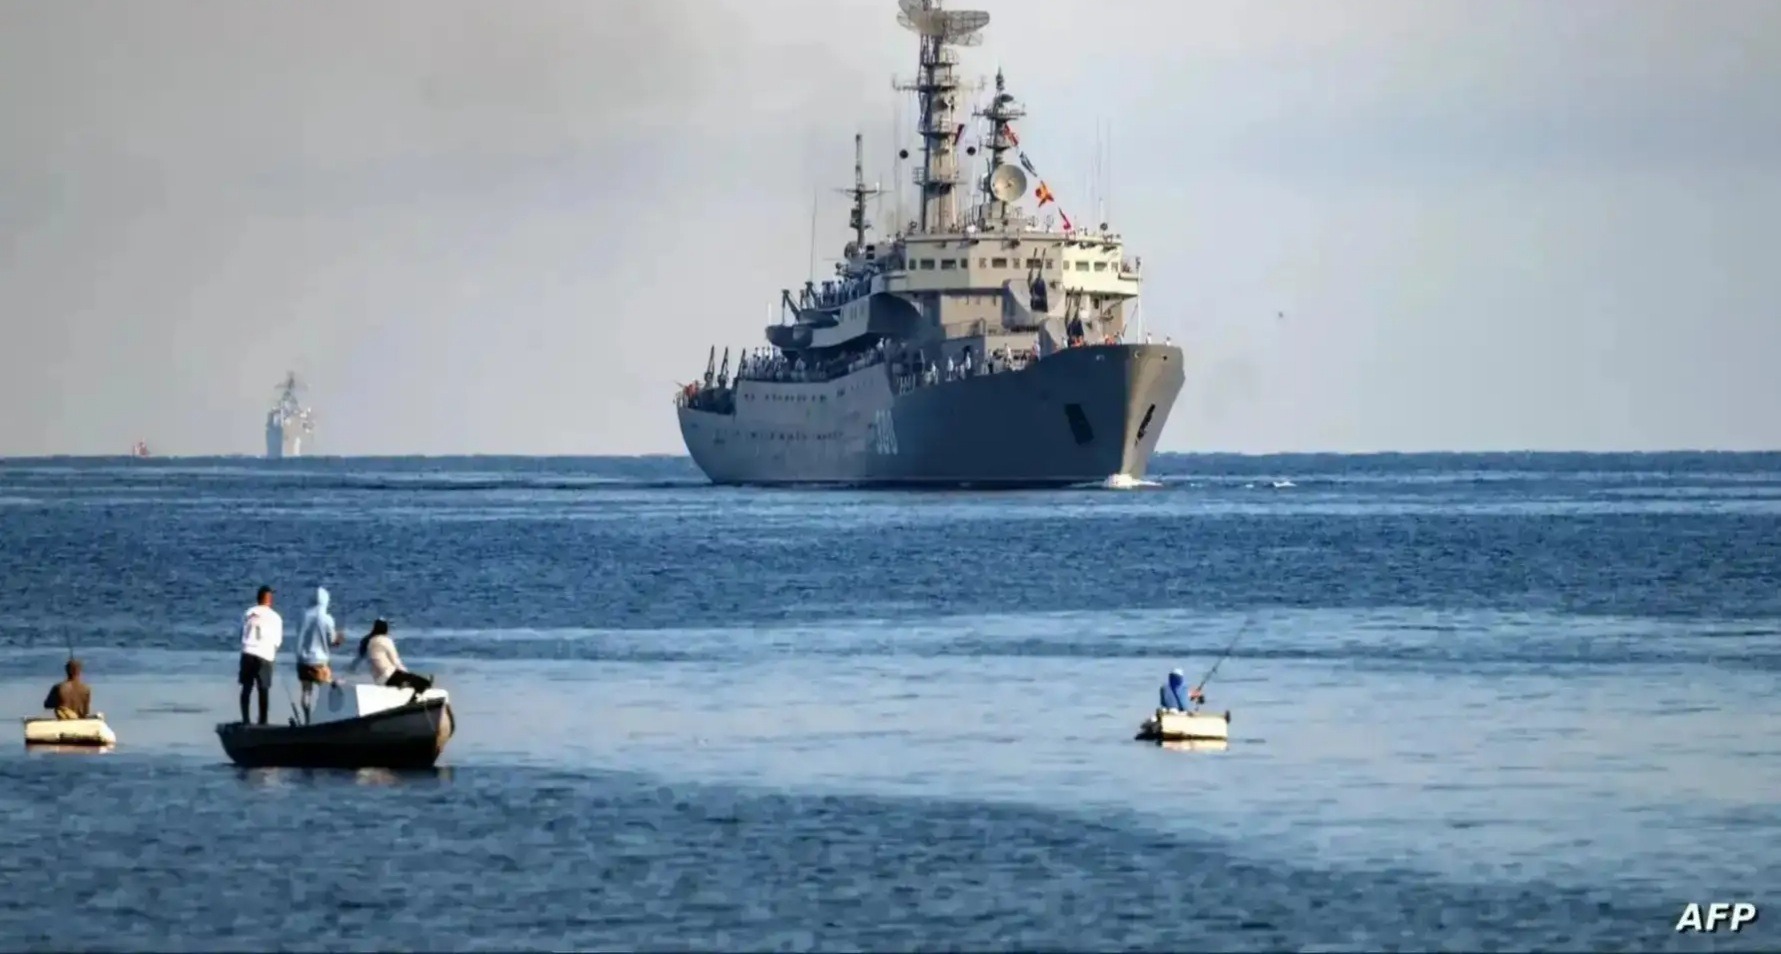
(860, 192)
(289, 406)
(1002, 110)
(937, 89)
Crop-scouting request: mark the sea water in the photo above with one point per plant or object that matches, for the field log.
(1478, 702)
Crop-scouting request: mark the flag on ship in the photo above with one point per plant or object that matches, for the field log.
(1043, 192)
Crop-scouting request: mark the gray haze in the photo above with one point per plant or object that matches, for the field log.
(513, 227)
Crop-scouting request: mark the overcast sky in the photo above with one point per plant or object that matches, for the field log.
(513, 227)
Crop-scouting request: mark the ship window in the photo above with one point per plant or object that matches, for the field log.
(925, 263)
(1033, 263)
(1079, 428)
(1051, 263)
(1100, 266)
(983, 263)
(1082, 266)
(998, 263)
(946, 264)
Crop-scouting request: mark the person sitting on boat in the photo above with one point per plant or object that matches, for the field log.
(379, 649)
(71, 698)
(1176, 696)
(313, 639)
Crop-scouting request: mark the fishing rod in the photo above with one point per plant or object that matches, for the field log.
(1247, 622)
(296, 712)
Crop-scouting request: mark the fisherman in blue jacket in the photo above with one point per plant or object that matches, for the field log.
(1176, 696)
(316, 636)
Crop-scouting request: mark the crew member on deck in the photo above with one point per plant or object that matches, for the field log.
(71, 698)
(1176, 696)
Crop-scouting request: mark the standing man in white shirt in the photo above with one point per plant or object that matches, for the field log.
(262, 630)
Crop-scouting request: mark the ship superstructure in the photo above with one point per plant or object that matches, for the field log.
(977, 345)
(289, 423)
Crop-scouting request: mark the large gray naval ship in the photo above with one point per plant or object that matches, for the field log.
(289, 422)
(978, 346)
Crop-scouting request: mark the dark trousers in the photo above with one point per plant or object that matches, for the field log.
(254, 672)
(402, 679)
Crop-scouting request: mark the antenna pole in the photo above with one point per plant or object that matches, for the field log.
(897, 166)
(1094, 172)
(860, 193)
(814, 196)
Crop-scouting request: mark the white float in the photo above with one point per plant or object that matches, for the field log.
(91, 731)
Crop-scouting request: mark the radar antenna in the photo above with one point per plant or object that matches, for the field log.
(860, 192)
(937, 89)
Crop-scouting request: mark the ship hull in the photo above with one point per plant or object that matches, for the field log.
(1077, 416)
(280, 445)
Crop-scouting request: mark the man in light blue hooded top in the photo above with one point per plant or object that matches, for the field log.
(1175, 694)
(313, 640)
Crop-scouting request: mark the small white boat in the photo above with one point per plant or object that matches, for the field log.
(353, 726)
(1173, 725)
(91, 732)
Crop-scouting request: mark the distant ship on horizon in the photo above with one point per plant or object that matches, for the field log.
(289, 422)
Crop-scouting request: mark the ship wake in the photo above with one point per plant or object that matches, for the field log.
(1127, 482)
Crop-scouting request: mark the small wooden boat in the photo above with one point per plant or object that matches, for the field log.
(353, 726)
(1173, 725)
(91, 732)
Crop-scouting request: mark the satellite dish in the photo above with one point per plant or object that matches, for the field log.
(1007, 183)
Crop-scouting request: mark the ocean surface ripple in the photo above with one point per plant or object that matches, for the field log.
(1480, 702)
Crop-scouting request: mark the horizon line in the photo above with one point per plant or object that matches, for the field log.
(1521, 452)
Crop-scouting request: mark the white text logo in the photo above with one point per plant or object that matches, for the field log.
(1711, 916)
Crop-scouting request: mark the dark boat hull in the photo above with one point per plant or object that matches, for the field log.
(1079, 416)
(406, 737)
